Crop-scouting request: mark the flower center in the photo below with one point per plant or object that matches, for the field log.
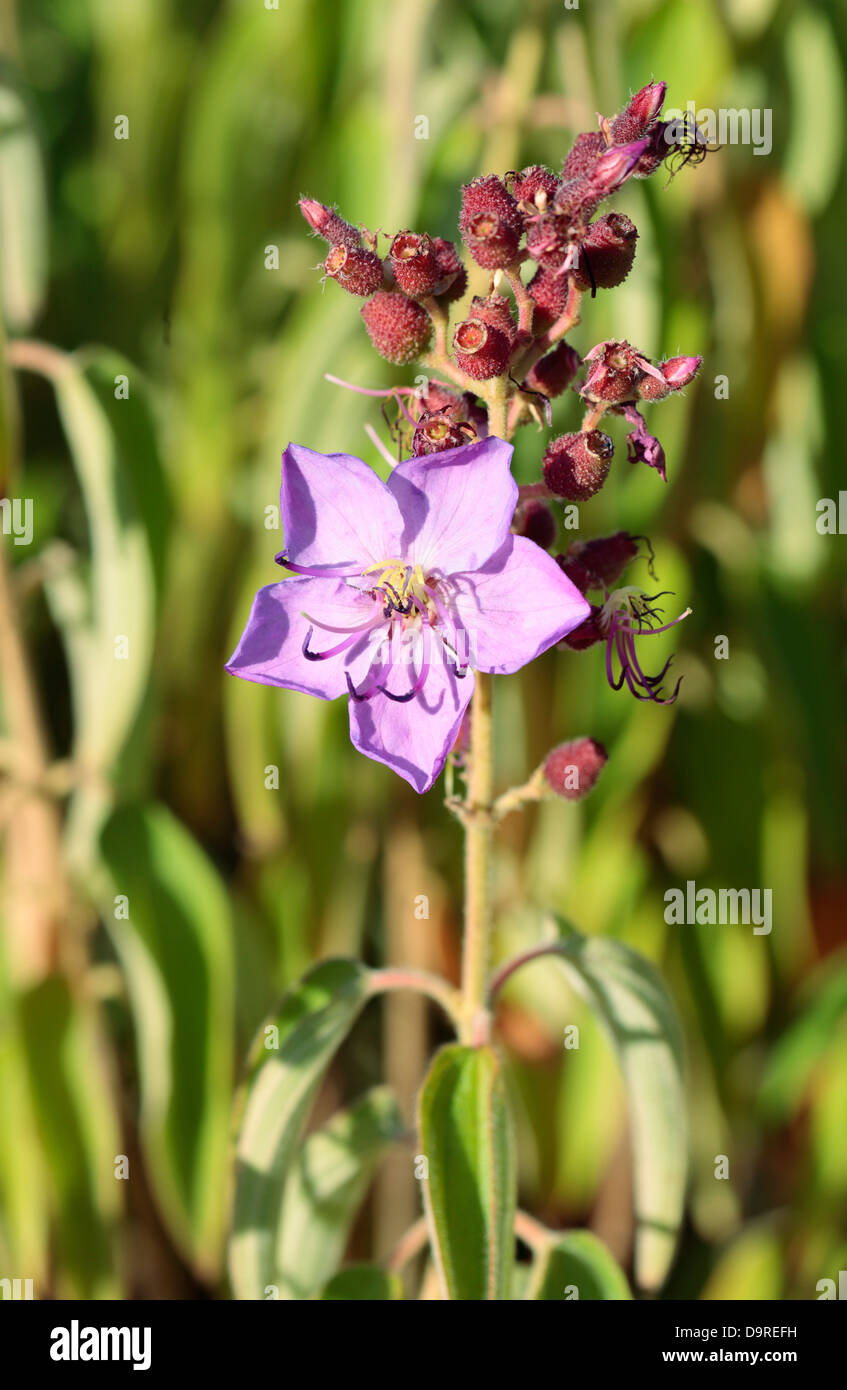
(403, 587)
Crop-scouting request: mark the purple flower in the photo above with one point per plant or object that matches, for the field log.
(629, 613)
(400, 590)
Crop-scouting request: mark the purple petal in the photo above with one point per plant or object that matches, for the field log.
(415, 737)
(271, 647)
(457, 506)
(336, 511)
(517, 606)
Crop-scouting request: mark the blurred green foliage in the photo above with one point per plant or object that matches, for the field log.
(148, 258)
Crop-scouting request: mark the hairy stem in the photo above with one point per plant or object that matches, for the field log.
(497, 399)
(478, 836)
(422, 982)
(438, 355)
(525, 304)
(555, 333)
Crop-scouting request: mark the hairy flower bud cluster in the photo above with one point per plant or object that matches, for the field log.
(508, 347)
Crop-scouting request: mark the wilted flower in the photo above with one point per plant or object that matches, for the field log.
(603, 560)
(629, 613)
(641, 445)
(616, 372)
(400, 588)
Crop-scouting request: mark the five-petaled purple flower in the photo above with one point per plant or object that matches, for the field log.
(400, 589)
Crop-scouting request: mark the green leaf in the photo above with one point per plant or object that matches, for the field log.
(290, 1057)
(629, 997)
(470, 1191)
(105, 604)
(577, 1265)
(23, 220)
(325, 1188)
(176, 950)
(78, 1128)
(364, 1283)
(24, 1179)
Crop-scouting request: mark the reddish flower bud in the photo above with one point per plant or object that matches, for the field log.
(414, 261)
(639, 114)
(555, 372)
(357, 271)
(588, 633)
(550, 292)
(398, 327)
(534, 520)
(680, 371)
(481, 349)
(602, 560)
(572, 769)
(614, 167)
(651, 389)
(532, 182)
(496, 310)
(576, 466)
(490, 222)
(608, 251)
(453, 278)
(584, 155)
(326, 223)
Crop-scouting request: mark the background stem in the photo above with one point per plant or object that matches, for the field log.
(478, 833)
